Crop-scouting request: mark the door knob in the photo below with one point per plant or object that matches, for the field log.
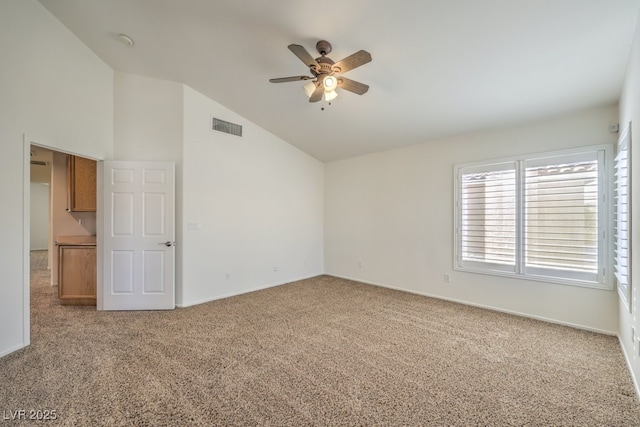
(168, 244)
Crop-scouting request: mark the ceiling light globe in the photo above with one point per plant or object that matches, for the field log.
(330, 95)
(309, 88)
(330, 83)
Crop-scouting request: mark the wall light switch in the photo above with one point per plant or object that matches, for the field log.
(194, 226)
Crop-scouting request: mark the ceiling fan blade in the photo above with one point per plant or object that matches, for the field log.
(352, 61)
(290, 79)
(352, 85)
(304, 56)
(317, 94)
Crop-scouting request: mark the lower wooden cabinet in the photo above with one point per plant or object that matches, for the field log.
(77, 274)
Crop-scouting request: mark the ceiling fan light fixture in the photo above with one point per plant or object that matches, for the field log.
(309, 88)
(330, 83)
(330, 95)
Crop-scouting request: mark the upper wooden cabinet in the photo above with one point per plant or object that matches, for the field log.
(81, 184)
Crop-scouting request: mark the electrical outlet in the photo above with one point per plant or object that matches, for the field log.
(275, 268)
(194, 226)
(359, 263)
(227, 276)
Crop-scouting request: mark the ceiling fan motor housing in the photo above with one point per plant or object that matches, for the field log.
(326, 65)
(323, 47)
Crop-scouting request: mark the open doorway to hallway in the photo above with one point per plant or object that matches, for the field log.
(63, 225)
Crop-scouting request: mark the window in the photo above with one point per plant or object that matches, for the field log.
(622, 217)
(542, 217)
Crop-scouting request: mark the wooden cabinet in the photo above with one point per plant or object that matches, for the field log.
(77, 270)
(81, 184)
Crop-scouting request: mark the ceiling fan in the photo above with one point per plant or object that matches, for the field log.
(327, 74)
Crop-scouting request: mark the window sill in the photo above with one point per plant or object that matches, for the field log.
(538, 278)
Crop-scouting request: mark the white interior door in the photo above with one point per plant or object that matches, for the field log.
(138, 235)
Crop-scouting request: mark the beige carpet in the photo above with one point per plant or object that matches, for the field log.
(322, 351)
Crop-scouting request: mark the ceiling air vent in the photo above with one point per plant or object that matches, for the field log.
(226, 127)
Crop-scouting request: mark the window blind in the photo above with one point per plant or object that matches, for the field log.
(561, 217)
(488, 227)
(622, 215)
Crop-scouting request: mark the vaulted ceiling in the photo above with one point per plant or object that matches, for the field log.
(439, 68)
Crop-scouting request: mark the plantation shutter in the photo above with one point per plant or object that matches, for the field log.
(561, 216)
(487, 232)
(545, 218)
(622, 219)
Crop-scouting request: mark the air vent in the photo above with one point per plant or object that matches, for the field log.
(39, 163)
(226, 127)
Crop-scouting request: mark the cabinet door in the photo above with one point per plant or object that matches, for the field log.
(81, 184)
(77, 275)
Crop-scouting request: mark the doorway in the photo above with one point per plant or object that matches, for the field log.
(50, 217)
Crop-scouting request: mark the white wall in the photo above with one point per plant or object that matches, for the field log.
(39, 221)
(630, 112)
(259, 202)
(147, 118)
(58, 93)
(393, 212)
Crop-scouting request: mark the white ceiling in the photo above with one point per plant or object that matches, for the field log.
(439, 68)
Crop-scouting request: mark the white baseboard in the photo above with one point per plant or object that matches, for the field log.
(11, 350)
(630, 367)
(244, 291)
(488, 307)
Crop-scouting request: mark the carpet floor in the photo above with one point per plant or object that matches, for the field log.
(322, 351)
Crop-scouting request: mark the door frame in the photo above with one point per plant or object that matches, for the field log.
(27, 142)
(99, 237)
(26, 240)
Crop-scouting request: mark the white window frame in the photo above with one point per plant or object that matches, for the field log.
(622, 217)
(604, 277)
